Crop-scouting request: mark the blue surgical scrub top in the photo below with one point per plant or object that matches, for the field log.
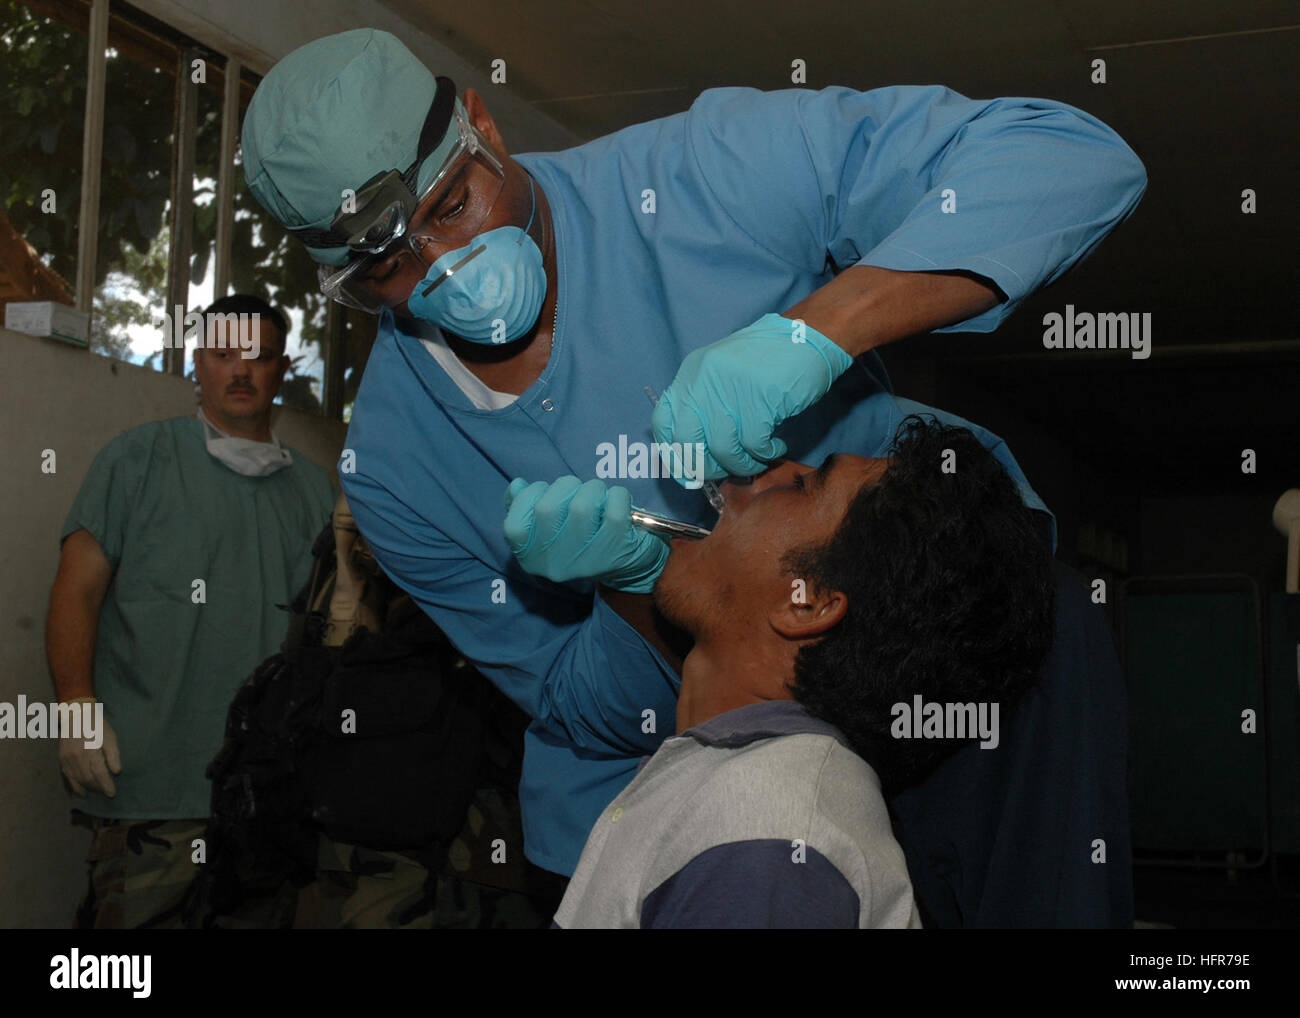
(670, 235)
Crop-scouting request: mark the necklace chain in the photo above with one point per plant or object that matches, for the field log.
(555, 318)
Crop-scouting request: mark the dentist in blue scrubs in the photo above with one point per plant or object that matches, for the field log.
(743, 258)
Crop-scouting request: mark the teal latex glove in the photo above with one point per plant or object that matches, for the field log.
(731, 395)
(568, 530)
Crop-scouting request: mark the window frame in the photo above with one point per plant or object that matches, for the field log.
(238, 79)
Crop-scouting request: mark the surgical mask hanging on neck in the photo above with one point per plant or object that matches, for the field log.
(489, 291)
(243, 455)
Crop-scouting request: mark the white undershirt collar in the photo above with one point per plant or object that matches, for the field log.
(466, 381)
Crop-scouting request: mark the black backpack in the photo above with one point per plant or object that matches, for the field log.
(379, 742)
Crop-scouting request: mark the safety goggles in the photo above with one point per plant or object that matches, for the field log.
(391, 228)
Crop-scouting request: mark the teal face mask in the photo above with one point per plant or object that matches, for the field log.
(489, 291)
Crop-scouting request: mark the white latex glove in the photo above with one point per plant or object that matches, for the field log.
(91, 768)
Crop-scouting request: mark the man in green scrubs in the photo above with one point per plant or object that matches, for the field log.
(185, 536)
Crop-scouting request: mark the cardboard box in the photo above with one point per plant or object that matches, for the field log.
(49, 318)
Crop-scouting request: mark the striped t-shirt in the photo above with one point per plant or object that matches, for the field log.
(760, 817)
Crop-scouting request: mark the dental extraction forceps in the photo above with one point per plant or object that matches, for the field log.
(665, 525)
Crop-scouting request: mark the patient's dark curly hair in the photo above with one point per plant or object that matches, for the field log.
(950, 592)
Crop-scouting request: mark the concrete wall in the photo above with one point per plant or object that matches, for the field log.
(54, 396)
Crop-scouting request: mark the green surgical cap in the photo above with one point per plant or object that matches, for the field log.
(328, 117)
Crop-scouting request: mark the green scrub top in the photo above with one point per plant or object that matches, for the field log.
(171, 651)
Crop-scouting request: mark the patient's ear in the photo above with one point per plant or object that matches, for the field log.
(808, 612)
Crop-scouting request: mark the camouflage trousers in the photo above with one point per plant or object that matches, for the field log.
(485, 882)
(141, 871)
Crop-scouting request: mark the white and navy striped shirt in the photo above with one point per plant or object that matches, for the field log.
(760, 817)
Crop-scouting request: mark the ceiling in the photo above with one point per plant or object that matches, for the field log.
(1205, 92)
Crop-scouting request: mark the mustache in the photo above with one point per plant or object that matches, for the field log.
(241, 388)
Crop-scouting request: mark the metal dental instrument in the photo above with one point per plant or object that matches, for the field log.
(668, 527)
(665, 525)
(711, 491)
